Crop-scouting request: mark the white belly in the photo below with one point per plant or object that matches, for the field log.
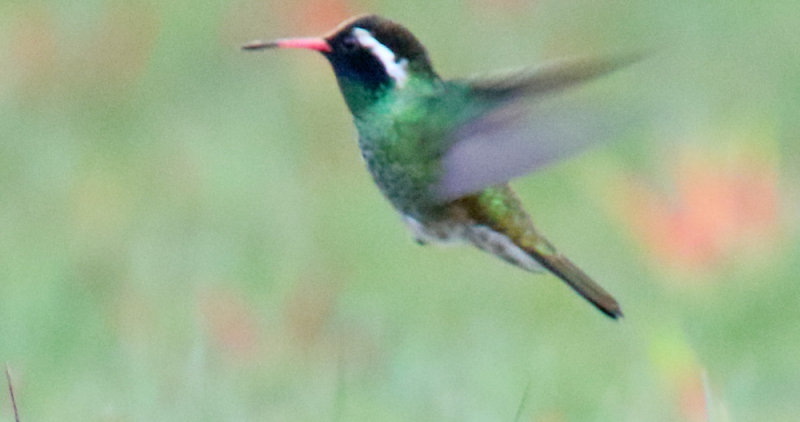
(479, 235)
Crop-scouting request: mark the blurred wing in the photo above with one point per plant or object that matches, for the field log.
(547, 79)
(518, 137)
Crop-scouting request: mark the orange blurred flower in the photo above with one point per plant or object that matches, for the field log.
(231, 322)
(721, 205)
(317, 17)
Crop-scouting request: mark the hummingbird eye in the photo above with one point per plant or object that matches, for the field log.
(350, 44)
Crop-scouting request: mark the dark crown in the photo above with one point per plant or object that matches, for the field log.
(391, 34)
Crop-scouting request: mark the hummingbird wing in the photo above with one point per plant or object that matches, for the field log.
(509, 137)
(546, 79)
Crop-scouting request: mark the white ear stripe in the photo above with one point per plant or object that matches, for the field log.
(396, 69)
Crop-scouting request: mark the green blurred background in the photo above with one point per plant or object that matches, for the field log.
(187, 231)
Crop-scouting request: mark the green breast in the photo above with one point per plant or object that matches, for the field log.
(402, 137)
(401, 169)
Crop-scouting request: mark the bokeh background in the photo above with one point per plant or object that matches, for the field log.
(187, 231)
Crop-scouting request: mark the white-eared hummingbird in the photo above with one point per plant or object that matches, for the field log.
(443, 151)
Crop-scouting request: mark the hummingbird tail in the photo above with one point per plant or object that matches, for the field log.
(577, 280)
(499, 225)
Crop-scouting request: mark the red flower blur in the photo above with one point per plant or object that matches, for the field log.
(722, 204)
(231, 323)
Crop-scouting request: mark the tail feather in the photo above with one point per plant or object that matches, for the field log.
(499, 225)
(578, 280)
(535, 253)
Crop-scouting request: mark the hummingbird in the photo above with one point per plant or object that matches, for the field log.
(443, 151)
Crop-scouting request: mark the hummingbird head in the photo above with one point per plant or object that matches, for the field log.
(370, 55)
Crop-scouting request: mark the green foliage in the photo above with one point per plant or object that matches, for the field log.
(187, 231)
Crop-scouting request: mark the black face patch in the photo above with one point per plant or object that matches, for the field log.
(352, 61)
